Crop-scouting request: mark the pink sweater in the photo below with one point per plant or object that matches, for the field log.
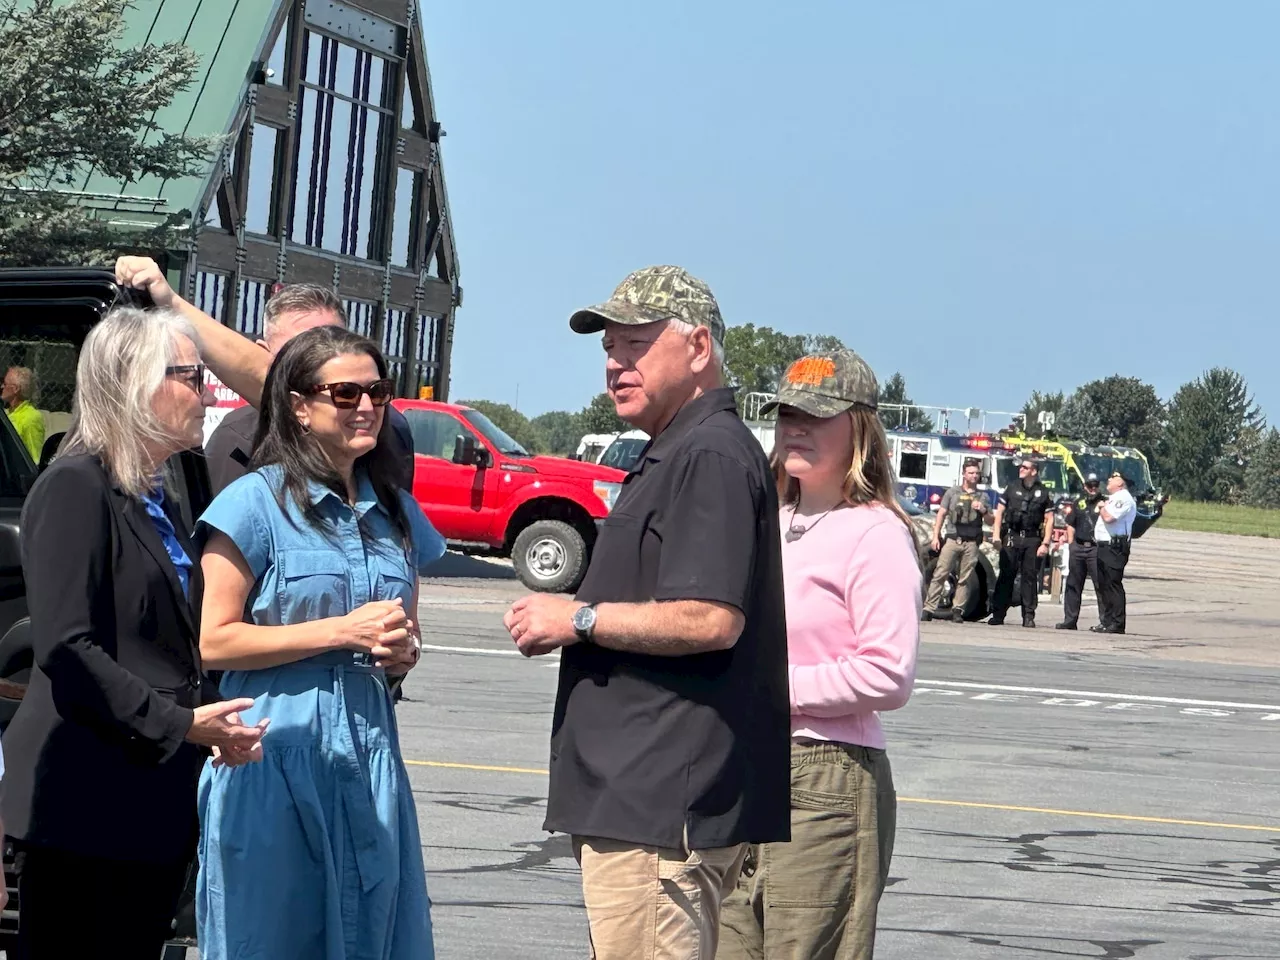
(853, 622)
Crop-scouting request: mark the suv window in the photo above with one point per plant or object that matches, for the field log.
(17, 472)
(434, 433)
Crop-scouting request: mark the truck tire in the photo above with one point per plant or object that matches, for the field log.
(975, 605)
(550, 556)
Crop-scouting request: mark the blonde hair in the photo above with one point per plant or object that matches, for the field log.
(122, 365)
(869, 478)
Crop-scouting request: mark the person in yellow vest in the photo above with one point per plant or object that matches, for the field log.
(19, 388)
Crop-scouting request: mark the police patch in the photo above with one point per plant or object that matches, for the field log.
(1037, 493)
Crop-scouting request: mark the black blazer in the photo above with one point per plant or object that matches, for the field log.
(96, 762)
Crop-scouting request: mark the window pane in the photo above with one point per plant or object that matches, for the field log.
(338, 148)
(348, 70)
(211, 293)
(404, 234)
(393, 332)
(253, 300)
(434, 434)
(276, 62)
(359, 317)
(262, 179)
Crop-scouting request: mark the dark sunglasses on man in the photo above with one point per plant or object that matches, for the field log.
(346, 395)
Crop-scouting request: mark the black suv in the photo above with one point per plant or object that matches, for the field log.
(44, 317)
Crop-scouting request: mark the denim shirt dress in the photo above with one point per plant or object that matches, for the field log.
(314, 852)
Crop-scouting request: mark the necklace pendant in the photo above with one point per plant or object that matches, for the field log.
(794, 533)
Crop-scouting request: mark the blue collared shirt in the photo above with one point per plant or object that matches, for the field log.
(302, 573)
(154, 502)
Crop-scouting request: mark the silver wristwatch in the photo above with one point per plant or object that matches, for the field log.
(584, 621)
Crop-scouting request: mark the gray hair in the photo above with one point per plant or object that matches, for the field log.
(24, 381)
(299, 298)
(685, 328)
(122, 365)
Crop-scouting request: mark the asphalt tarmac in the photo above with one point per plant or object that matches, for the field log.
(1060, 794)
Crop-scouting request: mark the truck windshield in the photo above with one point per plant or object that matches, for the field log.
(490, 432)
(623, 453)
(1133, 469)
(1052, 473)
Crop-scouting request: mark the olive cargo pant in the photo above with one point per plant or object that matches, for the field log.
(964, 552)
(815, 898)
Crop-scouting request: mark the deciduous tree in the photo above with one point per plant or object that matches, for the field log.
(600, 416)
(894, 392)
(74, 101)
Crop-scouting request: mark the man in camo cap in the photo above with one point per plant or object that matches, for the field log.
(670, 745)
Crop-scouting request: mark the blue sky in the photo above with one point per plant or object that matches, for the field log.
(989, 197)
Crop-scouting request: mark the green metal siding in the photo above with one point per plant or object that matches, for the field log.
(229, 36)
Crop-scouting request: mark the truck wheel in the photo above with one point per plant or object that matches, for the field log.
(550, 556)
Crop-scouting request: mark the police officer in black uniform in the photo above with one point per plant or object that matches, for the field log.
(1021, 530)
(1082, 521)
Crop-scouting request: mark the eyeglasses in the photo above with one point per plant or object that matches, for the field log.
(346, 395)
(192, 374)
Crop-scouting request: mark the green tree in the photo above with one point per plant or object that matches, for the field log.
(894, 391)
(1078, 420)
(1214, 429)
(600, 416)
(511, 422)
(755, 358)
(72, 100)
(1129, 411)
(560, 429)
(1262, 476)
(1041, 403)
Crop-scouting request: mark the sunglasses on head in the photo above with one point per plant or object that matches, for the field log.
(190, 373)
(346, 395)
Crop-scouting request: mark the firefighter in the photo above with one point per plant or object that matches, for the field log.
(1022, 529)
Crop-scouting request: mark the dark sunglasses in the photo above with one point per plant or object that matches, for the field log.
(346, 396)
(1026, 466)
(190, 373)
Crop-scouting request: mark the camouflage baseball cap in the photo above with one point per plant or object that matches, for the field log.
(652, 295)
(826, 384)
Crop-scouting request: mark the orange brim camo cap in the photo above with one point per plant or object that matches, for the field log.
(653, 295)
(826, 385)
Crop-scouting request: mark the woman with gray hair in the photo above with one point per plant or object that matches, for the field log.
(105, 751)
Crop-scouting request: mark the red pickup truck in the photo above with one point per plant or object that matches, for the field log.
(482, 489)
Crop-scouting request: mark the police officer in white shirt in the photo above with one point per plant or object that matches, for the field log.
(1113, 530)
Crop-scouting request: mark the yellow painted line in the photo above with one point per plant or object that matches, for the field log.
(1089, 813)
(1133, 818)
(474, 766)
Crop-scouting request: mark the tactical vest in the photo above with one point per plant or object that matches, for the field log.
(1025, 514)
(968, 521)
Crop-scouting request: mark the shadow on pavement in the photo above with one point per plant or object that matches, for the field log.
(460, 565)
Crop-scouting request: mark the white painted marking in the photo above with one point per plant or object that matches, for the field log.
(1175, 701)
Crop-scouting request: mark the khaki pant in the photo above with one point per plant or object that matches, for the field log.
(654, 903)
(815, 898)
(966, 553)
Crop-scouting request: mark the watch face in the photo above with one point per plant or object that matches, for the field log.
(584, 618)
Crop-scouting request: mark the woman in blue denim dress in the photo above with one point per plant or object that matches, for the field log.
(311, 582)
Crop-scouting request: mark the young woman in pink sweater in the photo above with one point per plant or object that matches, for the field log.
(853, 593)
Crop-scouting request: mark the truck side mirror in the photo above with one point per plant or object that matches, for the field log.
(467, 453)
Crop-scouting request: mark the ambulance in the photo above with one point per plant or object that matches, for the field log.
(926, 465)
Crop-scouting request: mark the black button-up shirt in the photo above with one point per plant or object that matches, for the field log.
(1084, 517)
(643, 746)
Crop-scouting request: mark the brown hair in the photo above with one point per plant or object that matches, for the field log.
(869, 478)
